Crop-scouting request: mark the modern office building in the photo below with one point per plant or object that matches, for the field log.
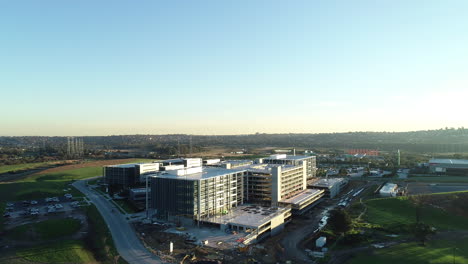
(268, 184)
(128, 175)
(331, 186)
(196, 193)
(283, 159)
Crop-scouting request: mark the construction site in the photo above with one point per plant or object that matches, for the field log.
(215, 249)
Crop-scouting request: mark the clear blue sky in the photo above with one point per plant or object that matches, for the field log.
(228, 67)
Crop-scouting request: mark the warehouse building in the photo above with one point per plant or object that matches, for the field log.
(128, 175)
(283, 159)
(449, 167)
(331, 186)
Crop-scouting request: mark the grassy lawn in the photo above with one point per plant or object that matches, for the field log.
(99, 238)
(436, 251)
(98, 244)
(25, 166)
(127, 206)
(38, 186)
(388, 212)
(69, 251)
(45, 230)
(439, 179)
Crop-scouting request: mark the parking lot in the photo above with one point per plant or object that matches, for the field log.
(50, 205)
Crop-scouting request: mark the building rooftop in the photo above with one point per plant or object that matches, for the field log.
(287, 157)
(266, 168)
(207, 172)
(388, 188)
(448, 161)
(303, 196)
(123, 165)
(131, 165)
(236, 161)
(328, 183)
(250, 216)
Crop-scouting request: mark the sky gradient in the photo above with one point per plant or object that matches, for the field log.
(231, 67)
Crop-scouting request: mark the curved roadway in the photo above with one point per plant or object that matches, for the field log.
(127, 243)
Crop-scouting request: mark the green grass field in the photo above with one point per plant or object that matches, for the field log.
(101, 240)
(127, 206)
(18, 167)
(437, 179)
(436, 251)
(38, 186)
(69, 251)
(45, 230)
(391, 212)
(99, 245)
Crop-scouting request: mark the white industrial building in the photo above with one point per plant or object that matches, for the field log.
(449, 166)
(303, 201)
(331, 186)
(389, 190)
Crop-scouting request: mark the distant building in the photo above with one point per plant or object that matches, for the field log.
(449, 166)
(283, 159)
(331, 186)
(211, 161)
(128, 175)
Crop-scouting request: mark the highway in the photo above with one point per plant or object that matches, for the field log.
(127, 243)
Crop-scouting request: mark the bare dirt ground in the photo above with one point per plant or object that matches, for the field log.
(155, 237)
(85, 165)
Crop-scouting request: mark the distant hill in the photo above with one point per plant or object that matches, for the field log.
(442, 140)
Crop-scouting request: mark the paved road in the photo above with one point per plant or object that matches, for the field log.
(291, 242)
(127, 243)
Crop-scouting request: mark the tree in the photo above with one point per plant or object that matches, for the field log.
(419, 201)
(422, 231)
(339, 221)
